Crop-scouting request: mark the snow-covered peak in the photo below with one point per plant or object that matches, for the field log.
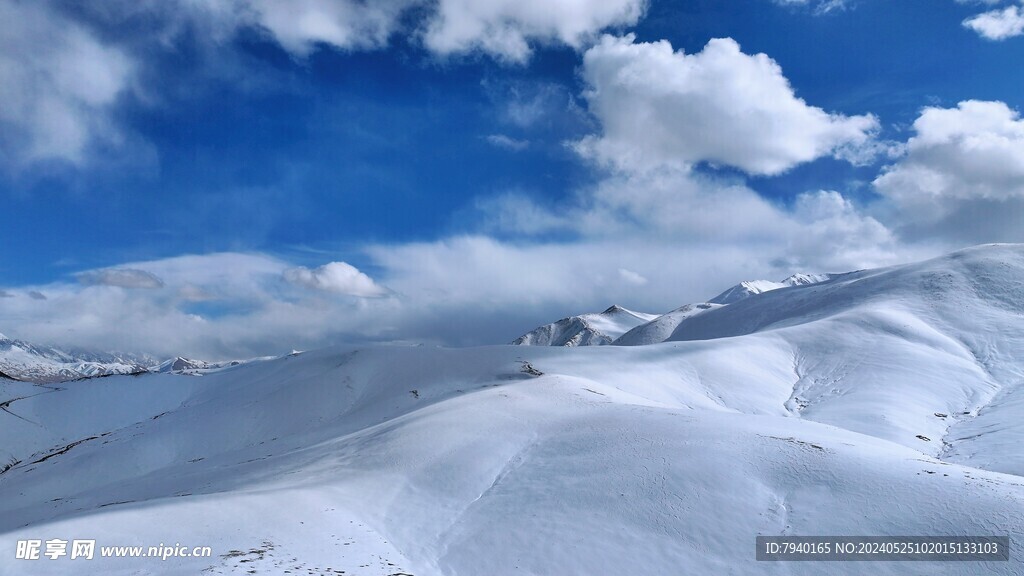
(586, 329)
(746, 289)
(749, 288)
(805, 279)
(190, 366)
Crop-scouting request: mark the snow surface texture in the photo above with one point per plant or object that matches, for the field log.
(884, 402)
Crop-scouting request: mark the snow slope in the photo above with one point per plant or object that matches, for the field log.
(660, 459)
(660, 328)
(586, 329)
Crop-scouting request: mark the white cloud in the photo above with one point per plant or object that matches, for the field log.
(825, 223)
(58, 86)
(819, 6)
(973, 151)
(962, 177)
(632, 277)
(506, 28)
(822, 231)
(659, 107)
(516, 213)
(998, 24)
(299, 25)
(337, 277)
(122, 277)
(507, 142)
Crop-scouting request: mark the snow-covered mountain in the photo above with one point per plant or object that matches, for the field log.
(750, 288)
(885, 402)
(180, 365)
(26, 361)
(616, 325)
(586, 329)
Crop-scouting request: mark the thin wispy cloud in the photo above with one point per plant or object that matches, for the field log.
(121, 277)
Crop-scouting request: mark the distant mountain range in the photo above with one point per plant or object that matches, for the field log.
(28, 362)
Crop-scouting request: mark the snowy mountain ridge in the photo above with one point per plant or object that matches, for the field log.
(36, 363)
(30, 362)
(616, 325)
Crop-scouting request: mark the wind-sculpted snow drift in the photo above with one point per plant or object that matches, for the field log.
(883, 402)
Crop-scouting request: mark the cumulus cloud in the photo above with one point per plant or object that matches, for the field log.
(959, 160)
(59, 84)
(506, 28)
(998, 24)
(299, 25)
(337, 277)
(661, 107)
(121, 277)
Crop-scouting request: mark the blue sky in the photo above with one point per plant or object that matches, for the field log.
(180, 176)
